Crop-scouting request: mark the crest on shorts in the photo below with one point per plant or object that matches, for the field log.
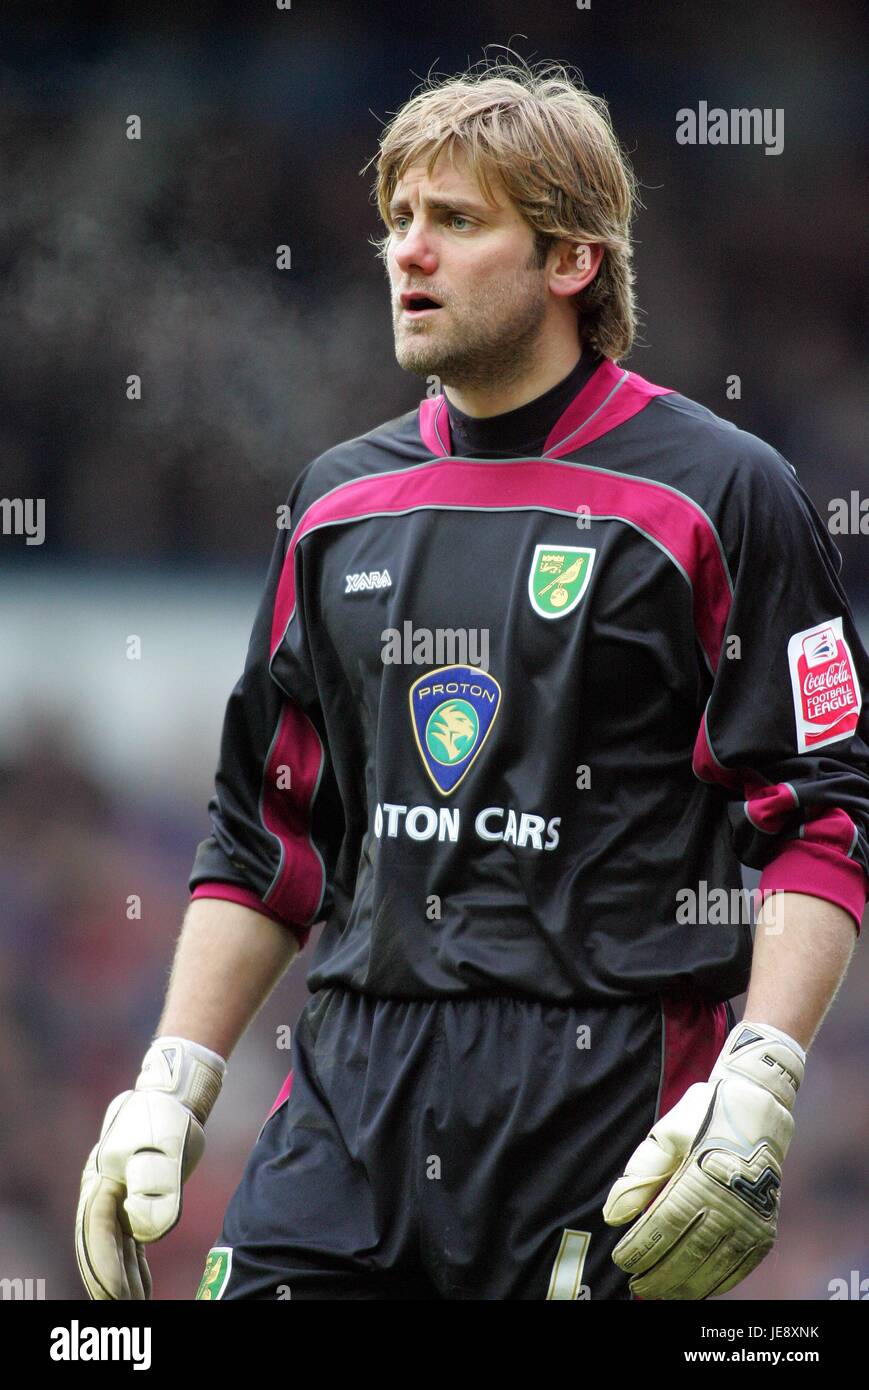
(558, 578)
(452, 710)
(216, 1274)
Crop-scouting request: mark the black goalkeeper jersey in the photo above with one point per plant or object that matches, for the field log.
(510, 725)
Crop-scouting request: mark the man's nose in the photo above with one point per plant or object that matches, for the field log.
(416, 248)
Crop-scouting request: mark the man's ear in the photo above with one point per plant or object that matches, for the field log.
(576, 266)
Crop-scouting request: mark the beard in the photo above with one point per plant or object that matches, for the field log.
(489, 341)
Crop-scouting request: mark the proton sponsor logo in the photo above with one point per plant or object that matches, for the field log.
(452, 711)
(558, 578)
(494, 824)
(826, 691)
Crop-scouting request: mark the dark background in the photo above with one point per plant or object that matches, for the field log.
(157, 257)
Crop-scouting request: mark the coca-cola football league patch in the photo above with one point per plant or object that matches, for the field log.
(826, 690)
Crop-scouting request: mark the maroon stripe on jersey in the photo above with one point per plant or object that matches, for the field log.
(820, 872)
(677, 524)
(297, 889)
(769, 807)
(282, 1095)
(434, 425)
(707, 766)
(230, 892)
(819, 862)
(833, 827)
(285, 601)
(694, 1033)
(609, 398)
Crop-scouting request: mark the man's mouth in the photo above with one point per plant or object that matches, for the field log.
(415, 305)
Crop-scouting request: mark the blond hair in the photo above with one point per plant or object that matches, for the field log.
(553, 147)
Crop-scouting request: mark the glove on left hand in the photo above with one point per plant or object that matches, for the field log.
(719, 1151)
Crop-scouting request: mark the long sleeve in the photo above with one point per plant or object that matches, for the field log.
(784, 729)
(273, 843)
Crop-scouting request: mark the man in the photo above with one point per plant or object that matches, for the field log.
(519, 1039)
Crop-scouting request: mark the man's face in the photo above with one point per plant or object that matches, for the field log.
(478, 261)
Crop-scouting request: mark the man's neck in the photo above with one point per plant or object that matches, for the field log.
(497, 399)
(524, 430)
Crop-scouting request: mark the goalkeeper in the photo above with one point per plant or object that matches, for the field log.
(519, 1075)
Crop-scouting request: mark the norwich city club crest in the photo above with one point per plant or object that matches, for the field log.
(452, 710)
(217, 1268)
(559, 578)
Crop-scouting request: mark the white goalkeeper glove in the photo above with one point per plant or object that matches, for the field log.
(717, 1154)
(151, 1140)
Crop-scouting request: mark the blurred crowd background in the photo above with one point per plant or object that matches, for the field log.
(157, 257)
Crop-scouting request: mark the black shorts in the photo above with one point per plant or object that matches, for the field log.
(459, 1148)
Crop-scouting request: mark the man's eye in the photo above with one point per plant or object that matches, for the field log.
(402, 217)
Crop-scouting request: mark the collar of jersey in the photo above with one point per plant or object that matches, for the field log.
(609, 397)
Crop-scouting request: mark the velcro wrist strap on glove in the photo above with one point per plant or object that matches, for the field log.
(762, 1054)
(193, 1074)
